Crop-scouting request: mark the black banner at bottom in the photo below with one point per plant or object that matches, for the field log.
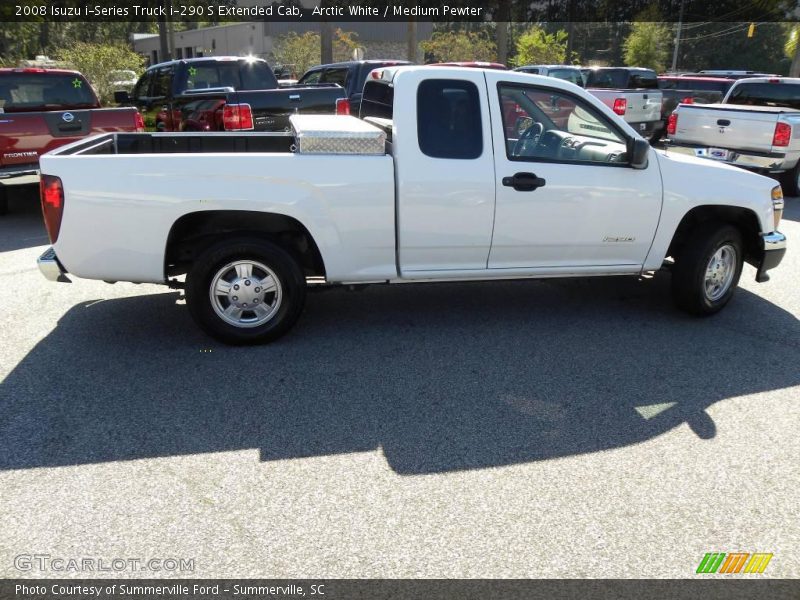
(399, 589)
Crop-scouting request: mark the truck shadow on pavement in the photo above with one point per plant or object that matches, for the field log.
(439, 377)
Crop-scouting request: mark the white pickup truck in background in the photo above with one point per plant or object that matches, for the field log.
(632, 93)
(757, 127)
(450, 174)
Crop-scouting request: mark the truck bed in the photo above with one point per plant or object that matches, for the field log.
(180, 143)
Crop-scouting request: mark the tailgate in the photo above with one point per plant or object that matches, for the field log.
(726, 126)
(26, 136)
(643, 106)
(272, 108)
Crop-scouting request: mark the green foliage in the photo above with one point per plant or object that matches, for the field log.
(726, 46)
(303, 51)
(648, 45)
(456, 46)
(344, 42)
(23, 41)
(97, 61)
(537, 47)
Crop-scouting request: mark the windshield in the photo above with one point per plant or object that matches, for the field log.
(621, 79)
(37, 91)
(237, 74)
(784, 95)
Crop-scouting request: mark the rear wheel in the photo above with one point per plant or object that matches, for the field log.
(245, 291)
(3, 200)
(707, 269)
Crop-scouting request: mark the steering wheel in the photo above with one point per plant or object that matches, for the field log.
(531, 134)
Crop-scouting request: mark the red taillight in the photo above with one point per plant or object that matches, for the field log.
(783, 132)
(52, 193)
(687, 100)
(138, 121)
(343, 106)
(620, 106)
(773, 80)
(236, 117)
(672, 124)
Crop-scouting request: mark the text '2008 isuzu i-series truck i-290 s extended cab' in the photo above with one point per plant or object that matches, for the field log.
(449, 174)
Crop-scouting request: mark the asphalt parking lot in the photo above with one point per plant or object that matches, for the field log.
(570, 428)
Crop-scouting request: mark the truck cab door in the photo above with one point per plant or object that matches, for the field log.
(568, 197)
(444, 173)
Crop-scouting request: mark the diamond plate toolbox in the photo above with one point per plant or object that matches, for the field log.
(329, 134)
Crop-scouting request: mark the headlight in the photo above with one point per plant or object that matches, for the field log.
(777, 204)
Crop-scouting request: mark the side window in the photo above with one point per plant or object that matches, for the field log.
(644, 79)
(162, 83)
(449, 119)
(551, 125)
(142, 90)
(378, 100)
(312, 77)
(338, 76)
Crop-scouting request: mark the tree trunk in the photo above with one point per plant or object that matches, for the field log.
(326, 45)
(411, 42)
(501, 35)
(162, 38)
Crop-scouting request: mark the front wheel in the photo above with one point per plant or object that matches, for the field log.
(245, 291)
(707, 269)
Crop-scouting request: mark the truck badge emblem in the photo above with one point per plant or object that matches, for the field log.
(68, 117)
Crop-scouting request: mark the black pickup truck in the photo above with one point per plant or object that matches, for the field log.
(225, 93)
(689, 90)
(351, 75)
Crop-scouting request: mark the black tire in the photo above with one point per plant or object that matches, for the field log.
(207, 267)
(3, 200)
(689, 273)
(789, 181)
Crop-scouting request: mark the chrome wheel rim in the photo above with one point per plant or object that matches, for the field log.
(245, 293)
(719, 272)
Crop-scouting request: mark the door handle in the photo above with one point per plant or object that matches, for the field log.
(524, 182)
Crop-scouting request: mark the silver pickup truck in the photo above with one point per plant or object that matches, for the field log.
(757, 127)
(632, 93)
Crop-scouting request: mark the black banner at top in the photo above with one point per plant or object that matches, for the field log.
(221, 11)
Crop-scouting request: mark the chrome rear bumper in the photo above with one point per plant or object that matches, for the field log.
(738, 158)
(50, 267)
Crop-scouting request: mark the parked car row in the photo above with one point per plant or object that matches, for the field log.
(244, 94)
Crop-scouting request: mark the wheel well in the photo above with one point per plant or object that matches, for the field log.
(193, 233)
(742, 218)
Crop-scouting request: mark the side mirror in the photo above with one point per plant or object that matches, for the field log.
(122, 97)
(638, 150)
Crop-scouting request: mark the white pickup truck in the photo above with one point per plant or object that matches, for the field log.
(757, 126)
(449, 174)
(632, 93)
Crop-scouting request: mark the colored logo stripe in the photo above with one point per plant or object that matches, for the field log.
(758, 562)
(711, 562)
(734, 562)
